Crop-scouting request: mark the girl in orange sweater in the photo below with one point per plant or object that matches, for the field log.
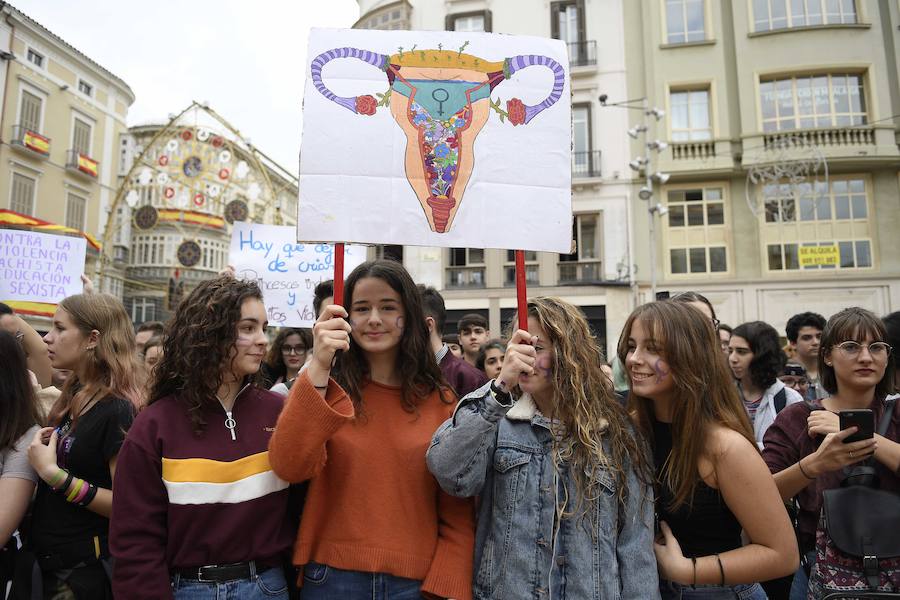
(375, 519)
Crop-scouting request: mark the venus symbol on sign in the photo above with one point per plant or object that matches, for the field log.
(440, 101)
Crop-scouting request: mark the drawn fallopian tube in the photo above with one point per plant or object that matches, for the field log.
(441, 101)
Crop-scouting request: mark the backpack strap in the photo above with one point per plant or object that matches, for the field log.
(780, 400)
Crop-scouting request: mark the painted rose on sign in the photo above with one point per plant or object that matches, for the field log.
(441, 99)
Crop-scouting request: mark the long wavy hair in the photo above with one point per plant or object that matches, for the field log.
(199, 345)
(584, 402)
(704, 394)
(768, 357)
(111, 368)
(854, 324)
(18, 406)
(416, 363)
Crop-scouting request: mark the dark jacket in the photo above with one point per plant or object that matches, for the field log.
(462, 377)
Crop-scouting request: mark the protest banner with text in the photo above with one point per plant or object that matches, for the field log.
(287, 271)
(40, 267)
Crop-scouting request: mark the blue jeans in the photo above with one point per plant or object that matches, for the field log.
(264, 586)
(669, 590)
(321, 582)
(800, 586)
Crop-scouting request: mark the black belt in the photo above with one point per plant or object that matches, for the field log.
(223, 573)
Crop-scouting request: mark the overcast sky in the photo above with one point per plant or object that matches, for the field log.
(244, 58)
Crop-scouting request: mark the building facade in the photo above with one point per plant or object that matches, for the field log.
(598, 275)
(61, 115)
(756, 93)
(183, 184)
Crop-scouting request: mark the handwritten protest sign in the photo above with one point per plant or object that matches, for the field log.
(40, 267)
(287, 271)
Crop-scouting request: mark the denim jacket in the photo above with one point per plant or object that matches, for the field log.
(522, 549)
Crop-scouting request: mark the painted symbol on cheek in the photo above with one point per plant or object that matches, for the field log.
(400, 323)
(544, 366)
(661, 369)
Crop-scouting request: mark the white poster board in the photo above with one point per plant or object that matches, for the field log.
(286, 270)
(436, 139)
(40, 267)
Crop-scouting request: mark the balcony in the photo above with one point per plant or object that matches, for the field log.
(842, 136)
(582, 54)
(461, 278)
(30, 140)
(849, 146)
(580, 273)
(702, 150)
(81, 163)
(586, 164)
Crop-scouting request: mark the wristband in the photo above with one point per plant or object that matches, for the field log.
(65, 485)
(500, 395)
(75, 489)
(89, 496)
(58, 478)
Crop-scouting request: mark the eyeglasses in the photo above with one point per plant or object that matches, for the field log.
(288, 350)
(852, 349)
(794, 382)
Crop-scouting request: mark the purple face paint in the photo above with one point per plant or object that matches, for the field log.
(400, 323)
(661, 369)
(545, 366)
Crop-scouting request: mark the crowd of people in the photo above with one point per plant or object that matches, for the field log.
(375, 456)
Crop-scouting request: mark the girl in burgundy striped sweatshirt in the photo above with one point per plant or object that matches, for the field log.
(198, 511)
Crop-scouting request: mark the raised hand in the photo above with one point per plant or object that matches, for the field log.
(519, 358)
(331, 332)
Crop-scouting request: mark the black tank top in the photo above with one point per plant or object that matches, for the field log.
(706, 525)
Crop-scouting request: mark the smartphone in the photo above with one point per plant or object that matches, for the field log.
(863, 418)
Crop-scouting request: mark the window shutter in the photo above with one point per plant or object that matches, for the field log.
(22, 197)
(81, 137)
(488, 21)
(581, 25)
(31, 111)
(450, 23)
(75, 208)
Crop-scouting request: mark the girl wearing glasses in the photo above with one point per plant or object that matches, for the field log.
(805, 449)
(286, 356)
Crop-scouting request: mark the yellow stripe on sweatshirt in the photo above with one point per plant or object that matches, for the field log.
(205, 470)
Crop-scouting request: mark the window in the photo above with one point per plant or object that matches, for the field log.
(466, 268)
(584, 264)
(783, 14)
(696, 207)
(143, 309)
(695, 230)
(35, 58)
(75, 209)
(838, 200)
(685, 21)
(690, 115)
(531, 268)
(469, 22)
(389, 252)
(85, 88)
(814, 101)
(389, 18)
(21, 197)
(567, 23)
(582, 160)
(30, 111)
(81, 137)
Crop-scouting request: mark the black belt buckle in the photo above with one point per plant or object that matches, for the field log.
(200, 576)
(221, 573)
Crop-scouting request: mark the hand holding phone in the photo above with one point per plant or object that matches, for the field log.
(863, 419)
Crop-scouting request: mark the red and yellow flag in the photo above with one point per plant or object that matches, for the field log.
(88, 165)
(36, 142)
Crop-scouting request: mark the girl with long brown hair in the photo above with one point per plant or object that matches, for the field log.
(375, 520)
(76, 456)
(711, 480)
(566, 504)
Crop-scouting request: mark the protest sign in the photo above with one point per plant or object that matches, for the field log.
(436, 138)
(287, 271)
(40, 267)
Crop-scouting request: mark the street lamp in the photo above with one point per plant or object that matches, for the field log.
(645, 163)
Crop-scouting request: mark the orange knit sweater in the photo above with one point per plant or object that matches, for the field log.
(372, 505)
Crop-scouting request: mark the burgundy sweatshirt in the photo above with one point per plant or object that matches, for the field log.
(182, 500)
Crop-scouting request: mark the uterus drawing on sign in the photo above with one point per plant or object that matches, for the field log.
(441, 101)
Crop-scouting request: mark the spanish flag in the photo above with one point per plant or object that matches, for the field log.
(87, 165)
(36, 142)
